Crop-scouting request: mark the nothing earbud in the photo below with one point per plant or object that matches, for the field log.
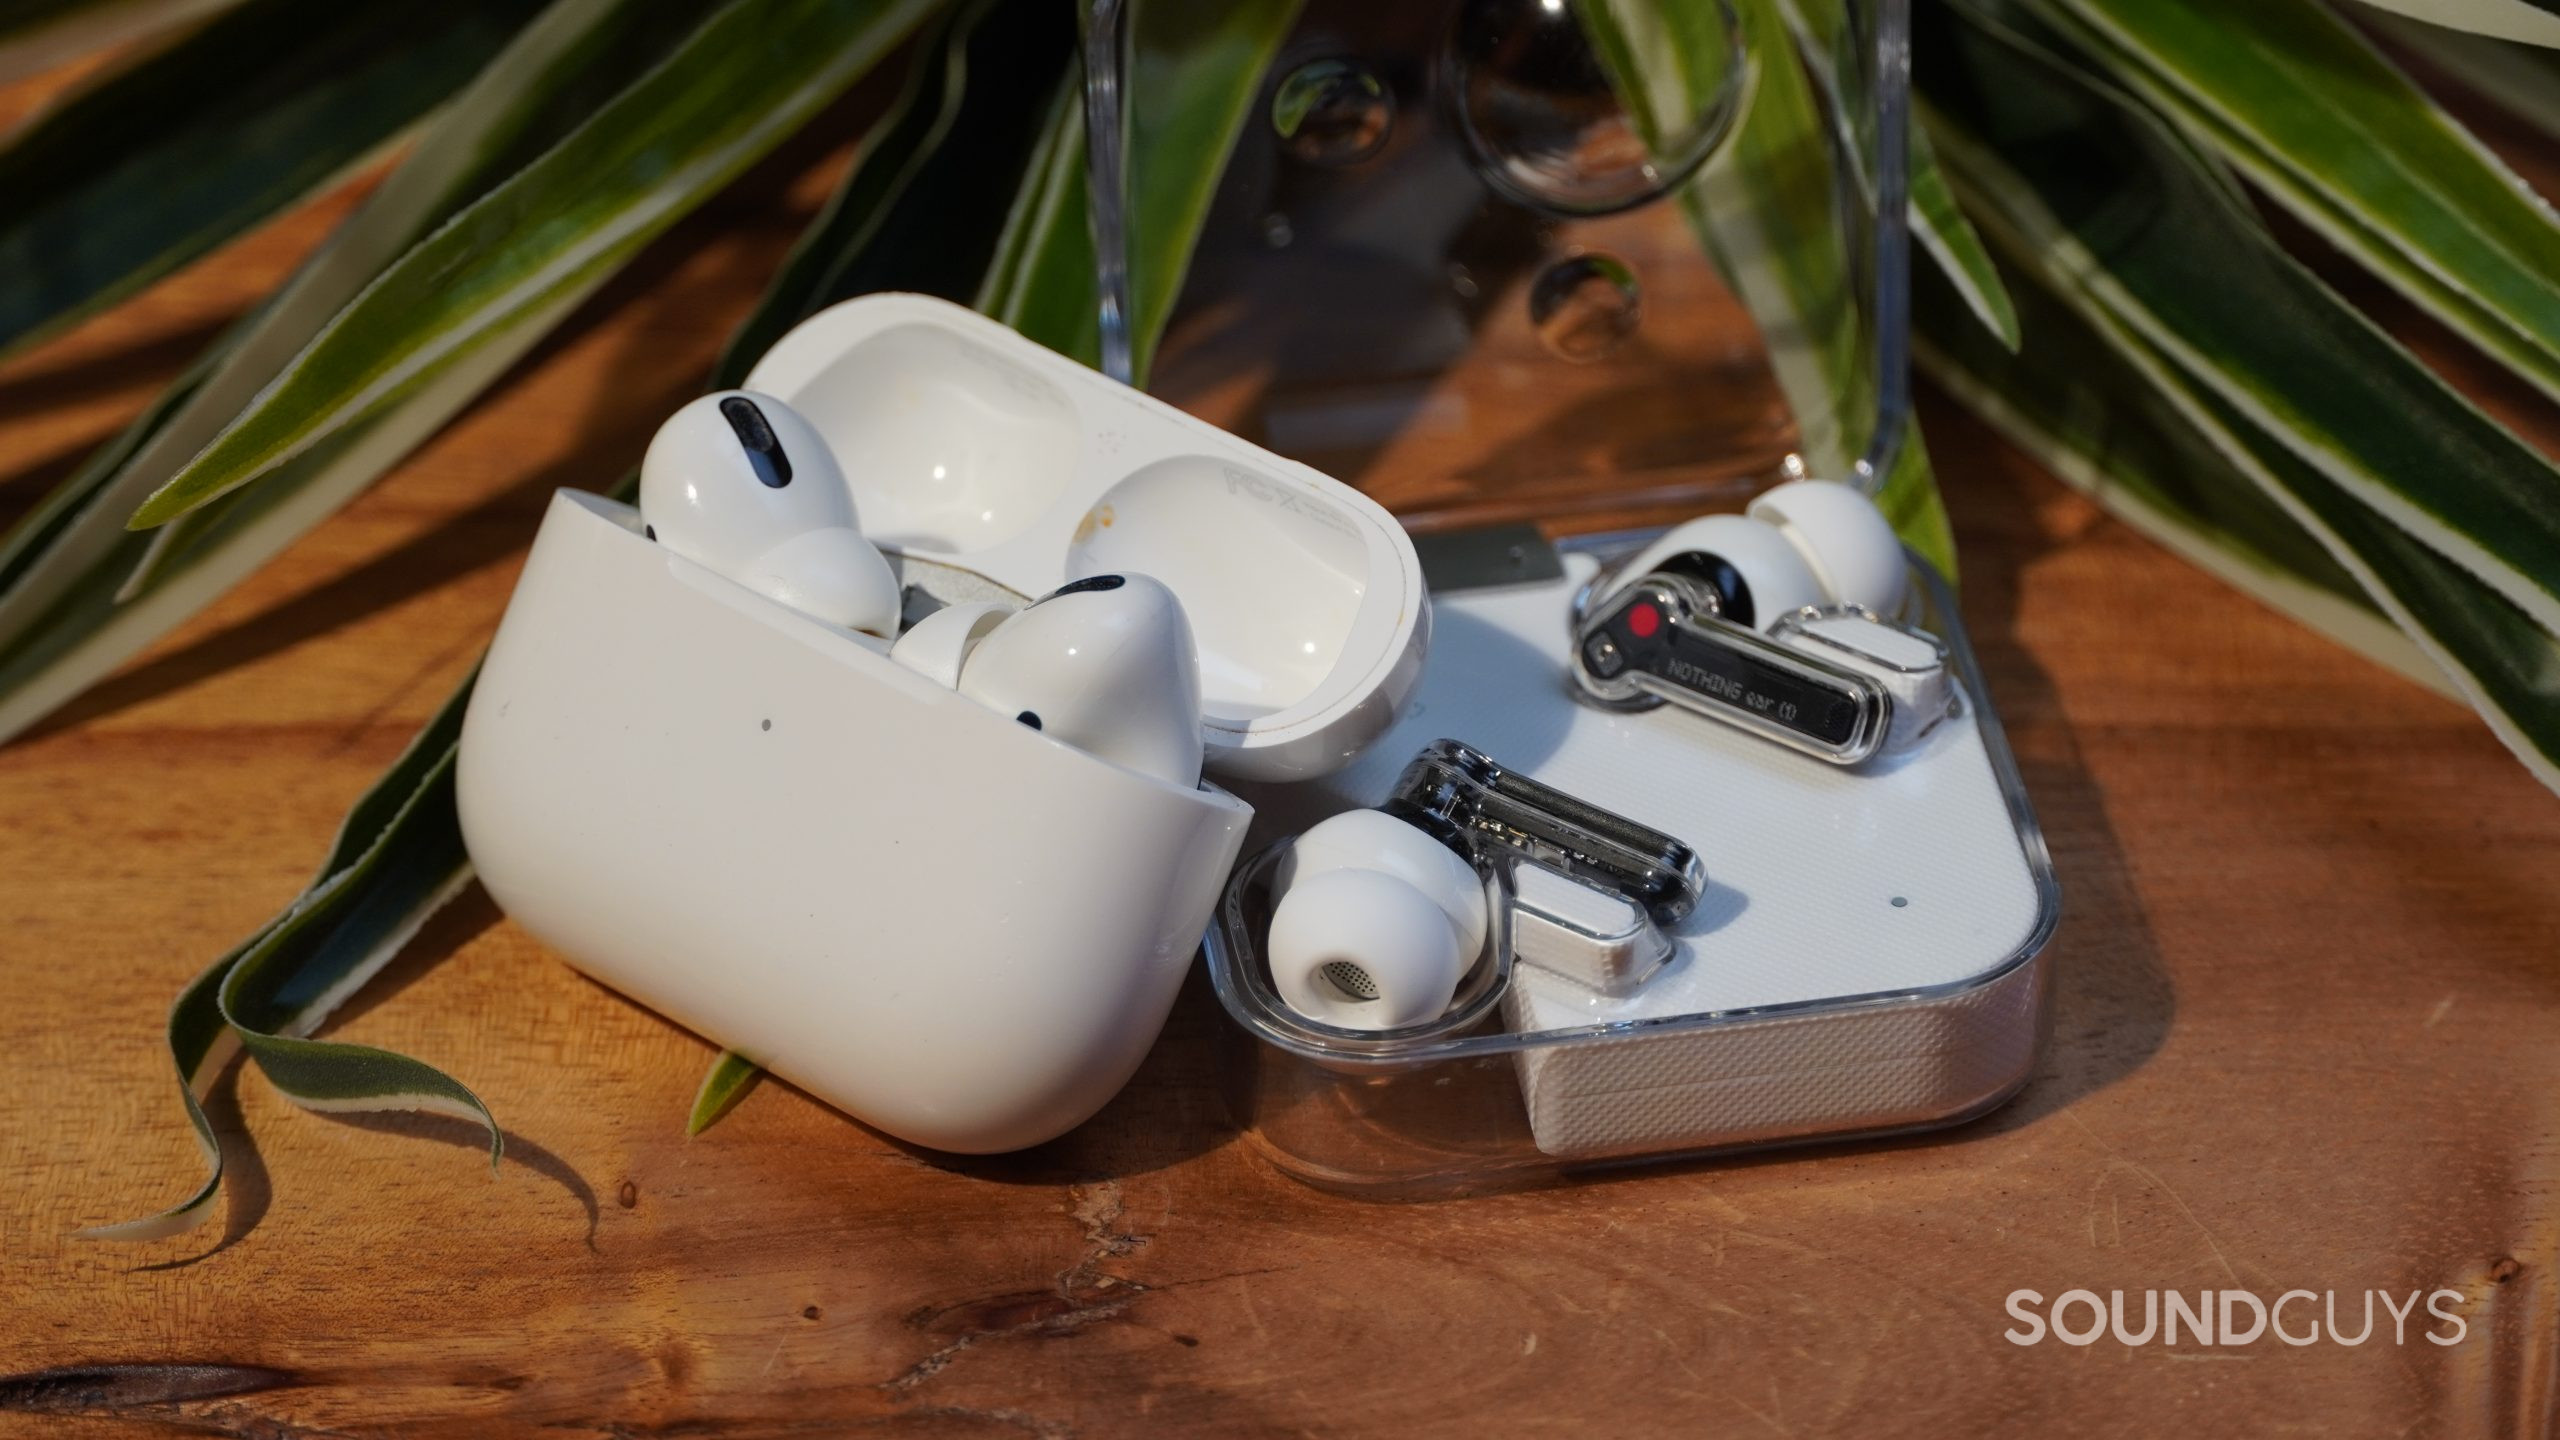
(1807, 542)
(1844, 538)
(1106, 664)
(1375, 925)
(1777, 621)
(739, 482)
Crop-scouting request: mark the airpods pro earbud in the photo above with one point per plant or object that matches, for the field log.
(1106, 664)
(739, 482)
(1375, 925)
(938, 646)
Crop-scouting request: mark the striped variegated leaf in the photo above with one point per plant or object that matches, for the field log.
(399, 855)
(726, 1083)
(749, 77)
(2098, 424)
(1767, 205)
(2524, 80)
(2121, 220)
(151, 163)
(37, 35)
(2108, 194)
(2533, 22)
(2437, 623)
(79, 594)
(926, 201)
(2306, 107)
(1937, 223)
(2504, 663)
(1193, 74)
(397, 858)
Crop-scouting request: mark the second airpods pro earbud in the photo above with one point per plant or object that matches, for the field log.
(741, 483)
(1106, 664)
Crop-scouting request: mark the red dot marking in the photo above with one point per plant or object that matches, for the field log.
(1642, 621)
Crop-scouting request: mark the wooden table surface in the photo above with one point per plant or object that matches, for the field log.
(2304, 1037)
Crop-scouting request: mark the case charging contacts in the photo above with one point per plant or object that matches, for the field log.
(951, 926)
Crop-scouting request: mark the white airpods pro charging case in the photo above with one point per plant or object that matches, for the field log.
(953, 927)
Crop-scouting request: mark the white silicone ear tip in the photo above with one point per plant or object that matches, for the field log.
(1778, 578)
(1374, 840)
(1844, 537)
(939, 644)
(1363, 951)
(834, 575)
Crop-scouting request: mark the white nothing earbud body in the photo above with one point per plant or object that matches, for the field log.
(1807, 542)
(740, 483)
(1106, 664)
(1750, 569)
(1844, 538)
(1376, 923)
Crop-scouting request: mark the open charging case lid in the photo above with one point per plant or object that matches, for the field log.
(970, 447)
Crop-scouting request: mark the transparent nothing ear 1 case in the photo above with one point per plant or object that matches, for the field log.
(1865, 955)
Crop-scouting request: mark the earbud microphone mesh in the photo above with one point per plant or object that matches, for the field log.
(1350, 979)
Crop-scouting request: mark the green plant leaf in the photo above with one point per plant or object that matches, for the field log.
(1044, 251)
(1193, 74)
(411, 810)
(2070, 400)
(397, 858)
(2113, 197)
(1945, 236)
(79, 594)
(153, 162)
(726, 1083)
(399, 855)
(2107, 208)
(1767, 206)
(113, 609)
(37, 35)
(2523, 80)
(2534, 22)
(2304, 106)
(749, 77)
(926, 201)
(2505, 664)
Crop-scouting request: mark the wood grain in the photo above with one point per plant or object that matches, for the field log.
(2304, 1038)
